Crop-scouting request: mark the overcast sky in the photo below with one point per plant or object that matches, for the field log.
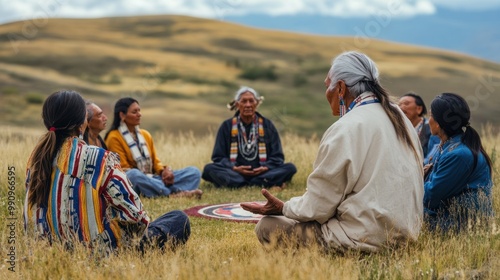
(32, 9)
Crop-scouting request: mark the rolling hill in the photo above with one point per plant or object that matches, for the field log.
(184, 70)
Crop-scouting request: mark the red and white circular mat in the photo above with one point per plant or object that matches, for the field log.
(228, 212)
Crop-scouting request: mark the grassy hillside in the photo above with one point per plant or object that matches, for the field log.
(184, 70)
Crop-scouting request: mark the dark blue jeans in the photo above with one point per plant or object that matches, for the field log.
(186, 179)
(171, 228)
(222, 176)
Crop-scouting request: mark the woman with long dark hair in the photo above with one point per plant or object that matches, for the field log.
(138, 157)
(79, 192)
(458, 189)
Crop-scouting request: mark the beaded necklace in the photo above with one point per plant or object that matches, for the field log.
(363, 100)
(247, 146)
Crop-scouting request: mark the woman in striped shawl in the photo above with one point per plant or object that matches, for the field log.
(77, 192)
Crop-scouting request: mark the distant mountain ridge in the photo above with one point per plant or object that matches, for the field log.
(475, 33)
(183, 71)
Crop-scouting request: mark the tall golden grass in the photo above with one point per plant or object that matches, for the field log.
(225, 250)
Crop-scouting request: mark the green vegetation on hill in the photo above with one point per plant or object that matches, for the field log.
(184, 70)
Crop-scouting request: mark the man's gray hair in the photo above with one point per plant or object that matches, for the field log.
(90, 112)
(357, 71)
(232, 105)
(244, 89)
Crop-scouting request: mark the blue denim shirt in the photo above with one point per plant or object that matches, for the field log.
(454, 179)
(432, 149)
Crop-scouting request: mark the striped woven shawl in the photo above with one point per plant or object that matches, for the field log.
(234, 139)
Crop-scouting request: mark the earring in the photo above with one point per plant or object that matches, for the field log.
(343, 109)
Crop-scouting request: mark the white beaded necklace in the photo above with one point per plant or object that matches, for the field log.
(248, 147)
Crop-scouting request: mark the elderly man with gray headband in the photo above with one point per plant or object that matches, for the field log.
(96, 122)
(366, 188)
(247, 149)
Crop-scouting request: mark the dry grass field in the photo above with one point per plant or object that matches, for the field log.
(184, 70)
(225, 250)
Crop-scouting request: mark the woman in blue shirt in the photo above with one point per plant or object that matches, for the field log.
(458, 187)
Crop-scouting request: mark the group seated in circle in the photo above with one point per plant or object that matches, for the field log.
(368, 188)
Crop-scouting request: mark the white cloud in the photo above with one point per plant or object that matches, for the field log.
(29, 9)
(364, 8)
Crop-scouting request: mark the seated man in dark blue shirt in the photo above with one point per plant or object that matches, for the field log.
(247, 150)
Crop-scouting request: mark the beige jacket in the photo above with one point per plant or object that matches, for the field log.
(366, 187)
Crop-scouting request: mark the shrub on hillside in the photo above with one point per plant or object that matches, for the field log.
(34, 98)
(259, 73)
(10, 90)
(299, 80)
